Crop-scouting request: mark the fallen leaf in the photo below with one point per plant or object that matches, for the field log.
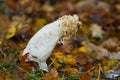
(67, 48)
(104, 62)
(81, 58)
(23, 2)
(85, 76)
(39, 23)
(4, 75)
(97, 51)
(60, 57)
(70, 60)
(89, 65)
(83, 49)
(1, 41)
(117, 6)
(85, 29)
(96, 31)
(18, 72)
(110, 65)
(23, 62)
(12, 4)
(52, 75)
(111, 44)
(71, 71)
(18, 23)
(4, 25)
(111, 62)
(11, 31)
(47, 7)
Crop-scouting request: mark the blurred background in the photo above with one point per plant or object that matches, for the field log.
(28, 16)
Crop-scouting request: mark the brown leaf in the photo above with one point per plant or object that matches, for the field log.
(18, 72)
(52, 75)
(98, 52)
(4, 25)
(104, 62)
(81, 58)
(22, 61)
(11, 4)
(67, 48)
(111, 44)
(85, 76)
(22, 57)
(89, 65)
(5, 76)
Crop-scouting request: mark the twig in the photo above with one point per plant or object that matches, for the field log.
(52, 62)
(2, 52)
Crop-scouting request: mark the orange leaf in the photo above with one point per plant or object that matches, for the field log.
(67, 47)
(85, 76)
(104, 62)
(71, 71)
(70, 60)
(89, 65)
(52, 75)
(22, 61)
(81, 58)
(11, 4)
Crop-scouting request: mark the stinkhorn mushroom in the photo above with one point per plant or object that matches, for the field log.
(43, 42)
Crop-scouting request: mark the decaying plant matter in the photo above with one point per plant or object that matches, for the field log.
(40, 46)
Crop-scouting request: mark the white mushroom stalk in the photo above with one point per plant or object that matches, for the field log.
(40, 46)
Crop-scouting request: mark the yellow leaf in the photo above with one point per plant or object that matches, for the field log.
(65, 59)
(39, 23)
(23, 44)
(57, 64)
(109, 71)
(13, 30)
(60, 57)
(70, 60)
(85, 29)
(111, 62)
(0, 41)
(23, 2)
(71, 71)
(83, 49)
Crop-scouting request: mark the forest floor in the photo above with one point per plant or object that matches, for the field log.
(94, 54)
